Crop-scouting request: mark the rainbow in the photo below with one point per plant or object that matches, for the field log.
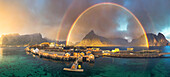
(62, 21)
(60, 26)
(106, 3)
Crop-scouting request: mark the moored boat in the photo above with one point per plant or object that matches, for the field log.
(73, 70)
(74, 67)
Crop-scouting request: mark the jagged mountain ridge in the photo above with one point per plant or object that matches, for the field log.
(91, 39)
(154, 40)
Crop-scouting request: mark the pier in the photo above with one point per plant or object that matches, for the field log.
(60, 54)
(137, 54)
(65, 56)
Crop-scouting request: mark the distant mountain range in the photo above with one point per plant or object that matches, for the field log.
(91, 39)
(29, 39)
(16, 39)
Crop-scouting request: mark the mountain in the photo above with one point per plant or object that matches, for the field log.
(162, 41)
(154, 40)
(119, 41)
(138, 41)
(16, 39)
(91, 39)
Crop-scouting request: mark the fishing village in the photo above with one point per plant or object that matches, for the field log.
(86, 54)
(84, 38)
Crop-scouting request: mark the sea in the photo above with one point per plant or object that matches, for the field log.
(15, 62)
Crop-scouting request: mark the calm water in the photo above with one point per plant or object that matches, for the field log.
(15, 62)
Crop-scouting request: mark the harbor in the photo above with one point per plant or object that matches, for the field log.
(61, 53)
(51, 51)
(79, 55)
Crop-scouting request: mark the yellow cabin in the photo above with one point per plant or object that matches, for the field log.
(129, 49)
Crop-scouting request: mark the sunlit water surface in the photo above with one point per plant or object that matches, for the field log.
(15, 62)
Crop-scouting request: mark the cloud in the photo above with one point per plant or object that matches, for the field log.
(32, 16)
(45, 16)
(106, 20)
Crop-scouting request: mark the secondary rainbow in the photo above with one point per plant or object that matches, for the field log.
(106, 3)
(63, 19)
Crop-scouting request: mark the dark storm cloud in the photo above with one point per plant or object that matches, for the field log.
(49, 15)
(76, 8)
(45, 16)
(153, 14)
(105, 20)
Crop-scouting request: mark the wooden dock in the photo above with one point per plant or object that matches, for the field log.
(52, 54)
(62, 56)
(135, 55)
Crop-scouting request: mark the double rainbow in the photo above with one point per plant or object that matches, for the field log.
(105, 3)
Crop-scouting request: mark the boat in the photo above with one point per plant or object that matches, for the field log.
(74, 67)
(73, 70)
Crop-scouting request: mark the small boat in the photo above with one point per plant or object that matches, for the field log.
(74, 67)
(73, 70)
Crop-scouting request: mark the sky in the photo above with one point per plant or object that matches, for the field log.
(50, 17)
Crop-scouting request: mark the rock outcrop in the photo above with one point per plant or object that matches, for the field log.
(154, 40)
(161, 40)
